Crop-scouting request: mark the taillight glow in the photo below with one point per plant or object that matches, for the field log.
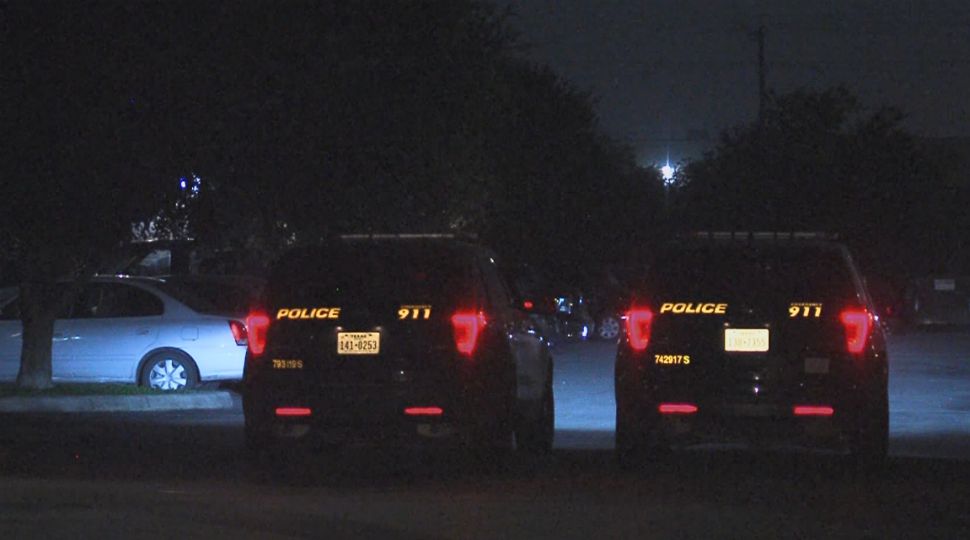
(239, 333)
(257, 326)
(858, 325)
(423, 411)
(677, 408)
(638, 322)
(528, 304)
(813, 410)
(293, 411)
(467, 327)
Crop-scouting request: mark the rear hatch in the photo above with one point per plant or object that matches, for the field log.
(753, 323)
(362, 314)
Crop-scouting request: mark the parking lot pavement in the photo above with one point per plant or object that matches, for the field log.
(585, 406)
(929, 394)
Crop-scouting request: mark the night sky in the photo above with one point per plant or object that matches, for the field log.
(672, 74)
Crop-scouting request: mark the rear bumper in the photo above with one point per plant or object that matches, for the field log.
(736, 413)
(756, 425)
(371, 415)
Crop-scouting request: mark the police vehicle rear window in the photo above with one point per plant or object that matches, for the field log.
(370, 274)
(752, 272)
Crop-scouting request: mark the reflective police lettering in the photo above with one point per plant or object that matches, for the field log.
(308, 313)
(691, 308)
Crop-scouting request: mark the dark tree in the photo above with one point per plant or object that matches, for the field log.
(83, 157)
(302, 119)
(821, 162)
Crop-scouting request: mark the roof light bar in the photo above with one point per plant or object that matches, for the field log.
(763, 235)
(405, 236)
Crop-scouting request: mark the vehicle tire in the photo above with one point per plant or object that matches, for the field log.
(608, 328)
(870, 444)
(537, 430)
(635, 446)
(169, 370)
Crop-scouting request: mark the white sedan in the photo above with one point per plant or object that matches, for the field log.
(134, 330)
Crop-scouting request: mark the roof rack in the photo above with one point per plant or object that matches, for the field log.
(763, 235)
(408, 236)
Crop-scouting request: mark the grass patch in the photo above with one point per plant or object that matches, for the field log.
(81, 389)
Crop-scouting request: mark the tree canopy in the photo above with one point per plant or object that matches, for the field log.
(300, 120)
(820, 161)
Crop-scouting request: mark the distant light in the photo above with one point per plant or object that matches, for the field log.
(668, 172)
(183, 183)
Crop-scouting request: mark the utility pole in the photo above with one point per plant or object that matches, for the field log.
(759, 35)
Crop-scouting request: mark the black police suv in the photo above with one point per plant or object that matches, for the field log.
(395, 340)
(758, 338)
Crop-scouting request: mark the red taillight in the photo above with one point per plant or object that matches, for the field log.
(528, 304)
(677, 408)
(423, 411)
(467, 327)
(293, 411)
(638, 321)
(813, 410)
(239, 333)
(858, 324)
(257, 326)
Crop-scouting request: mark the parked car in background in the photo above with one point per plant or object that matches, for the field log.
(607, 301)
(533, 296)
(938, 301)
(143, 331)
(6, 293)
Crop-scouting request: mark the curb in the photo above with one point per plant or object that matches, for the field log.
(175, 402)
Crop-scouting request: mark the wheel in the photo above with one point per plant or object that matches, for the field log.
(608, 327)
(536, 431)
(169, 370)
(870, 443)
(636, 446)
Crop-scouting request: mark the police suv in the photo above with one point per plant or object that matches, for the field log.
(756, 338)
(394, 340)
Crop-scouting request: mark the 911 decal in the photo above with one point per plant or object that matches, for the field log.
(690, 308)
(414, 312)
(672, 359)
(804, 310)
(308, 313)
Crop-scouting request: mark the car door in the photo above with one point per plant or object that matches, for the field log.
(114, 325)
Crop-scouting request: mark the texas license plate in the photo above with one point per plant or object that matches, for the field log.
(358, 342)
(746, 339)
